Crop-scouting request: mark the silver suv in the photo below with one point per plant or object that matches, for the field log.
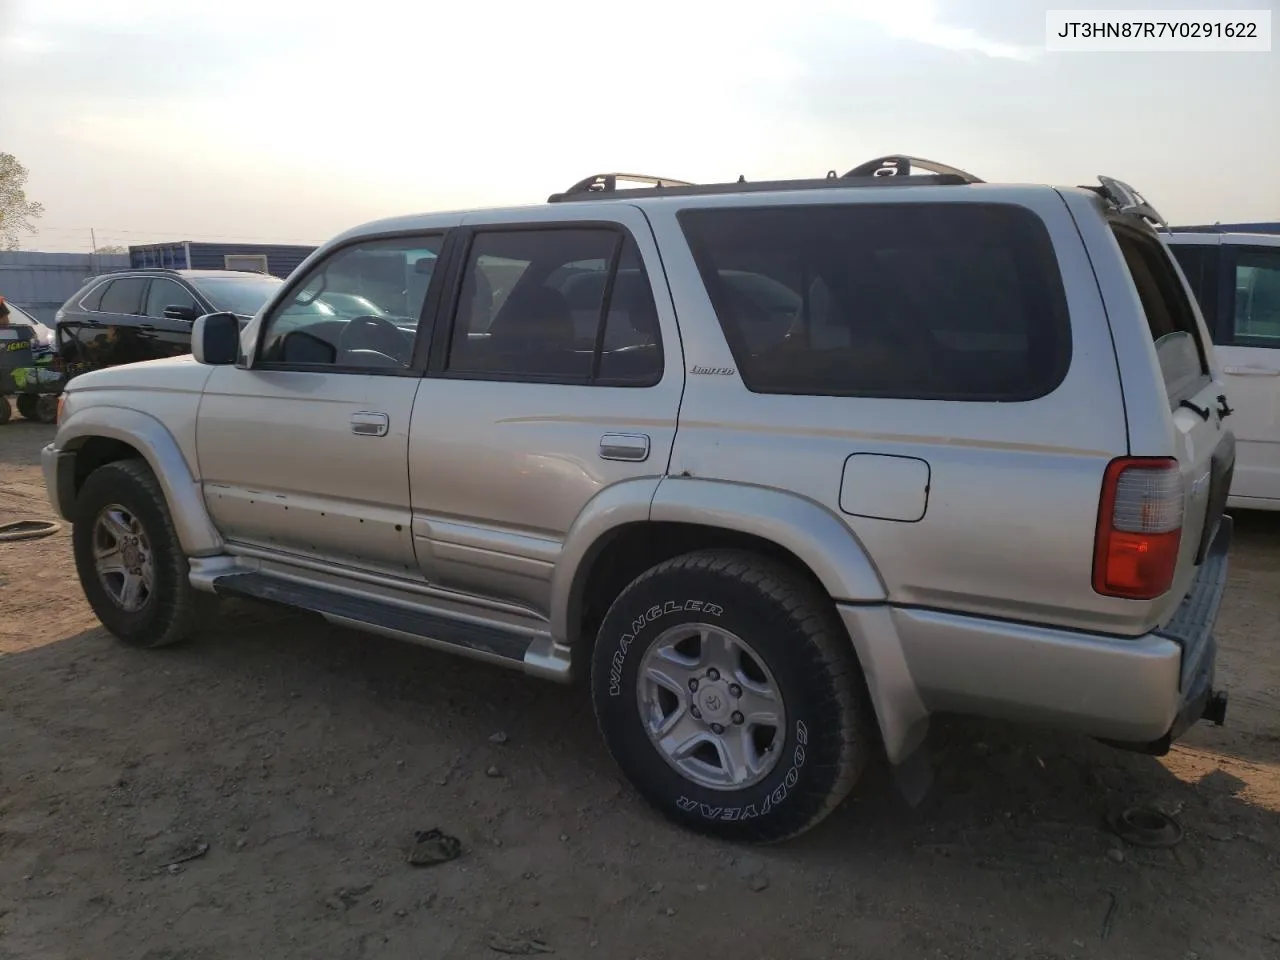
(783, 468)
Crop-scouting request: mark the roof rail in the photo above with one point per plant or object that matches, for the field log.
(895, 170)
(608, 183)
(900, 165)
(1127, 200)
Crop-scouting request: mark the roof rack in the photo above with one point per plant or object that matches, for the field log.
(894, 170)
(900, 165)
(608, 183)
(1127, 200)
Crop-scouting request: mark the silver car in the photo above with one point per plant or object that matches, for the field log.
(783, 468)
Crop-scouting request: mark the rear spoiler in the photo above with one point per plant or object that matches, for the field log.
(1127, 200)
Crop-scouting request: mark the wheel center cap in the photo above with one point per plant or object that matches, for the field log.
(132, 555)
(714, 700)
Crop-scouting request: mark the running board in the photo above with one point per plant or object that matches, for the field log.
(531, 651)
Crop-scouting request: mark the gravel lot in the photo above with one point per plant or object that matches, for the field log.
(306, 756)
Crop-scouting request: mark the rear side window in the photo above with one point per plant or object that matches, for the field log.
(556, 305)
(93, 299)
(1199, 264)
(123, 296)
(1256, 302)
(1169, 313)
(953, 301)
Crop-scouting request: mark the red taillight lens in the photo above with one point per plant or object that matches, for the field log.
(1139, 528)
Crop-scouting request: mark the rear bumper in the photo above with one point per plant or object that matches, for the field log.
(1139, 692)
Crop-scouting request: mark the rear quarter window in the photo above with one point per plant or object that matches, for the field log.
(92, 299)
(1169, 313)
(945, 301)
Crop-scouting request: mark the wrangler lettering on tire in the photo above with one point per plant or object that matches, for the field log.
(728, 692)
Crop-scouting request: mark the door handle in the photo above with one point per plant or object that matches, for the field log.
(366, 423)
(624, 446)
(1251, 371)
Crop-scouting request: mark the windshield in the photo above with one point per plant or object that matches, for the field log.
(242, 295)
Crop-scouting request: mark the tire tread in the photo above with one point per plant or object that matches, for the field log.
(832, 665)
(180, 612)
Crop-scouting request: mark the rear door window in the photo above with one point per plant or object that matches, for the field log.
(123, 296)
(557, 304)
(946, 301)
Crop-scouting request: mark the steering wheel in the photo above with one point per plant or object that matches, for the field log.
(382, 336)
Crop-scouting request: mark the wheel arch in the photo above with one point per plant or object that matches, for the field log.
(632, 526)
(100, 435)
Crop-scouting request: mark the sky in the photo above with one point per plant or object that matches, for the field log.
(288, 121)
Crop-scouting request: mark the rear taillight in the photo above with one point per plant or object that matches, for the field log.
(1139, 528)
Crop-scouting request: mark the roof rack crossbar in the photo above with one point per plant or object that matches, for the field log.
(901, 165)
(608, 183)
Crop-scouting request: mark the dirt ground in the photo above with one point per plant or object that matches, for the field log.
(306, 756)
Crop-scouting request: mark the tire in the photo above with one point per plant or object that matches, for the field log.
(169, 609)
(46, 409)
(6, 412)
(822, 736)
(26, 403)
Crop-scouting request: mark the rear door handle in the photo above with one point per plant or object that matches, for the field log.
(1251, 371)
(367, 423)
(624, 446)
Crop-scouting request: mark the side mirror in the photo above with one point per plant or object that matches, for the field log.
(185, 314)
(215, 339)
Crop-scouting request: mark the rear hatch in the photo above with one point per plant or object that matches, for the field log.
(1204, 449)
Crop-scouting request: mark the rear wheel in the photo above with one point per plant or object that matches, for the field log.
(131, 565)
(728, 692)
(6, 413)
(27, 405)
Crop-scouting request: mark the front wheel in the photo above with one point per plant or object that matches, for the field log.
(27, 405)
(131, 565)
(728, 692)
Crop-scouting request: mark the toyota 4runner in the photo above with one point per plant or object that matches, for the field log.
(783, 468)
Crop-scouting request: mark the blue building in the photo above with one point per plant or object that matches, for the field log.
(279, 260)
(1235, 227)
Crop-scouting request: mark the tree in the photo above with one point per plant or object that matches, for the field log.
(16, 211)
(112, 248)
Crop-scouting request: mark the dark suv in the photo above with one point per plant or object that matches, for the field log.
(144, 314)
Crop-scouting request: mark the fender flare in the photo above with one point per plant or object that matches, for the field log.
(613, 507)
(158, 447)
(820, 539)
(816, 536)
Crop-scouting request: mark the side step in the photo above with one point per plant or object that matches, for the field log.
(530, 651)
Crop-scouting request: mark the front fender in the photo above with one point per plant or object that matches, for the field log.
(160, 449)
(807, 529)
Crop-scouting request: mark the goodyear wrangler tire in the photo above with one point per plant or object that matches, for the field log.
(728, 692)
(129, 559)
